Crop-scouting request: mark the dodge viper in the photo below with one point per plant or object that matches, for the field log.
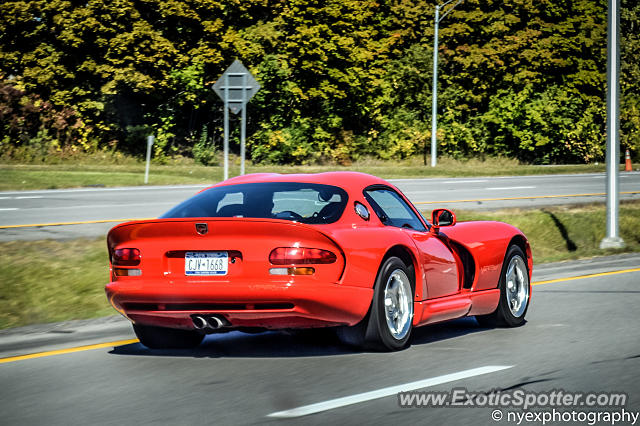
(344, 250)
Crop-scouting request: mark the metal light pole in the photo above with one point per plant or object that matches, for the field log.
(434, 93)
(613, 239)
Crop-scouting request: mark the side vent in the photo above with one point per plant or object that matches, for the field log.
(468, 263)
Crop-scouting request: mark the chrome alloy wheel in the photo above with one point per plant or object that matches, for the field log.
(517, 282)
(398, 304)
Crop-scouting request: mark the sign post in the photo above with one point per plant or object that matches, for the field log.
(150, 140)
(235, 87)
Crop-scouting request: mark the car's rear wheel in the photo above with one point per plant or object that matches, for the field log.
(515, 291)
(388, 324)
(167, 338)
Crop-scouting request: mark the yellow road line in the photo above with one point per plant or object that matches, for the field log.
(68, 350)
(595, 194)
(579, 277)
(128, 342)
(34, 225)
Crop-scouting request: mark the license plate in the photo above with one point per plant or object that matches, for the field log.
(206, 263)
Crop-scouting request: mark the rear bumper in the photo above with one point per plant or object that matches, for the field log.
(246, 304)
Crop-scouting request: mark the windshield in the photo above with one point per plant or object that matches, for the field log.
(301, 202)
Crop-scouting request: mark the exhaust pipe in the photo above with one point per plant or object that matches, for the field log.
(215, 322)
(200, 322)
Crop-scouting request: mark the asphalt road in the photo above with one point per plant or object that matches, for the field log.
(119, 204)
(582, 335)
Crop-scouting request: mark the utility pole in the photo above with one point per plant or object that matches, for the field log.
(613, 239)
(434, 93)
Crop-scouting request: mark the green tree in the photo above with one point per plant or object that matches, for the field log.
(340, 79)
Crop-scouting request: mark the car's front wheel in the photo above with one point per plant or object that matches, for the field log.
(515, 291)
(389, 322)
(167, 338)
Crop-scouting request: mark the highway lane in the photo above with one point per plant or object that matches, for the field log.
(581, 335)
(71, 205)
(114, 204)
(514, 191)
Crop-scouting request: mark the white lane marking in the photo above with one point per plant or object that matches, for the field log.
(133, 188)
(381, 393)
(9, 209)
(4, 198)
(509, 187)
(114, 206)
(532, 176)
(467, 181)
(29, 197)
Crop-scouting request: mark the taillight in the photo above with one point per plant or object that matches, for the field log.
(300, 256)
(125, 272)
(293, 270)
(125, 257)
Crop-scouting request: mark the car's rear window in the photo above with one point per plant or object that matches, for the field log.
(302, 202)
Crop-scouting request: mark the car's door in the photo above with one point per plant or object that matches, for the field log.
(439, 264)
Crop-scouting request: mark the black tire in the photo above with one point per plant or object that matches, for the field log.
(374, 331)
(504, 316)
(167, 338)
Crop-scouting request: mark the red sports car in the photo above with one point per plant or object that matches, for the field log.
(342, 249)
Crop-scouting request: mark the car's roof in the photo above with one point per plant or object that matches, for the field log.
(350, 181)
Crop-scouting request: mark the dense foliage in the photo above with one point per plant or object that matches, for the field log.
(340, 78)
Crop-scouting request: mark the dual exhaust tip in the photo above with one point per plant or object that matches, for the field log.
(214, 322)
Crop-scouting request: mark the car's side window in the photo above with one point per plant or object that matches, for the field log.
(392, 210)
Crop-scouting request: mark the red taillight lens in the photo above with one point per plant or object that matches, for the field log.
(126, 257)
(300, 256)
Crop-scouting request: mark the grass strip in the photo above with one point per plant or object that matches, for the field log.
(47, 281)
(566, 232)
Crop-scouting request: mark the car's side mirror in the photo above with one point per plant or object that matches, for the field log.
(442, 217)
